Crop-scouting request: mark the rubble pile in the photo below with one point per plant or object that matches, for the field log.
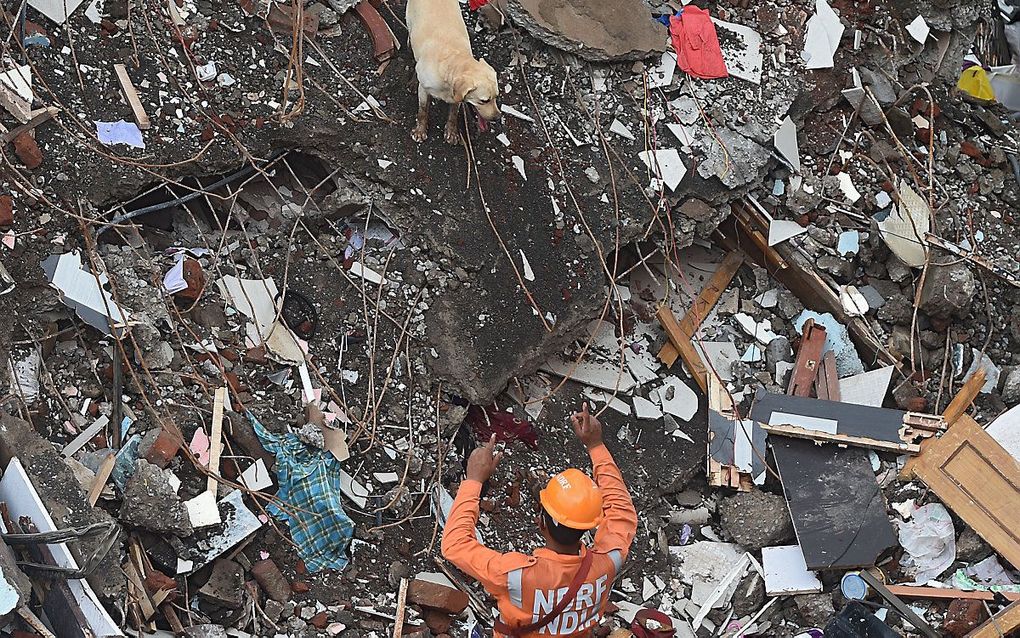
(251, 330)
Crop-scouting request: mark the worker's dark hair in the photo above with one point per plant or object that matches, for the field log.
(561, 533)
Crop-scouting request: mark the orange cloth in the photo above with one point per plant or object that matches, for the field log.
(697, 44)
(525, 587)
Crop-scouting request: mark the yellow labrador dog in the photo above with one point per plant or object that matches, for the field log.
(446, 68)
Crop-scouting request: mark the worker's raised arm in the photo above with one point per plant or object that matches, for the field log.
(460, 546)
(619, 522)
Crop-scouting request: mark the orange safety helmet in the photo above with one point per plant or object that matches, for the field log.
(572, 499)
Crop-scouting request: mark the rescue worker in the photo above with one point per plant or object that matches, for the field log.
(562, 588)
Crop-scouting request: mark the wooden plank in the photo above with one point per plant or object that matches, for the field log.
(706, 300)
(980, 481)
(1001, 624)
(131, 95)
(135, 582)
(216, 438)
(906, 591)
(964, 397)
(41, 116)
(827, 381)
(102, 476)
(682, 343)
(809, 358)
(398, 626)
(856, 441)
(835, 503)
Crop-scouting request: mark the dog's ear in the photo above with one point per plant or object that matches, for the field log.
(462, 88)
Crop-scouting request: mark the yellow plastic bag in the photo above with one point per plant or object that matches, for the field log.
(974, 81)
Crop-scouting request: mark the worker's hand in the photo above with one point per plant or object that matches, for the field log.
(483, 461)
(587, 428)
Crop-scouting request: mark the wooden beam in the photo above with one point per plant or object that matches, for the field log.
(809, 358)
(704, 303)
(906, 591)
(131, 95)
(827, 381)
(102, 476)
(1001, 624)
(682, 342)
(958, 406)
(841, 439)
(216, 438)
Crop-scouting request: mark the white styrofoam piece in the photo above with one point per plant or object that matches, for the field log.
(786, 571)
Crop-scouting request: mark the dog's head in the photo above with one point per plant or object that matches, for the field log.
(478, 86)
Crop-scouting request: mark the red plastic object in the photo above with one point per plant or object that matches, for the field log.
(697, 44)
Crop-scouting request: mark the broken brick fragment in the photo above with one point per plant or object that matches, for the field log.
(28, 151)
(272, 581)
(319, 620)
(300, 587)
(156, 581)
(159, 447)
(963, 617)
(195, 278)
(437, 621)
(436, 596)
(6, 211)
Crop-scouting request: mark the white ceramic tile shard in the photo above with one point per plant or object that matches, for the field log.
(781, 230)
(529, 274)
(666, 165)
(806, 422)
(662, 74)
(743, 59)
(621, 129)
(786, 572)
(846, 185)
(867, 388)
(255, 299)
(905, 228)
(1005, 429)
(919, 29)
(645, 409)
(56, 10)
(760, 330)
(786, 144)
(677, 398)
(824, 31)
(854, 303)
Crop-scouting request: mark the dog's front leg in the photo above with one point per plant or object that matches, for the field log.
(421, 128)
(452, 129)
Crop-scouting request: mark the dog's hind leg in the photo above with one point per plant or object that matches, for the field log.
(421, 128)
(452, 128)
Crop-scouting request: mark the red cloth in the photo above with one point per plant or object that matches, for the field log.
(475, 5)
(696, 44)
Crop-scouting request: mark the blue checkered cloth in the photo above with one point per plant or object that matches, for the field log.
(309, 481)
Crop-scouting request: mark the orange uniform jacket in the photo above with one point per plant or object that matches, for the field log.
(526, 587)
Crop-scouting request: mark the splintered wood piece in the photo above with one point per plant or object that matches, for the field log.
(842, 439)
(131, 95)
(809, 357)
(908, 591)
(682, 342)
(964, 397)
(827, 381)
(976, 478)
(703, 305)
(216, 438)
(398, 626)
(102, 476)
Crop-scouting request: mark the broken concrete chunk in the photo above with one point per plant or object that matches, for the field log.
(225, 586)
(948, 290)
(151, 502)
(756, 519)
(595, 30)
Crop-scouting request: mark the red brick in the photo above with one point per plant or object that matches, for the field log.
(6, 211)
(319, 620)
(437, 621)
(300, 587)
(272, 581)
(962, 617)
(436, 596)
(28, 151)
(164, 448)
(157, 581)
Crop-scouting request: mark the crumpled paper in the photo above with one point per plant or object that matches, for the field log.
(929, 542)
